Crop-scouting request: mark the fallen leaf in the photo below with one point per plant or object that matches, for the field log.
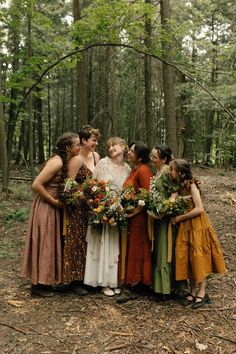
(200, 346)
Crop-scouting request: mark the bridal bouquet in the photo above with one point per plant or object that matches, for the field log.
(71, 193)
(103, 201)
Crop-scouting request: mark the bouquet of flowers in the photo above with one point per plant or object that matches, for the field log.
(174, 207)
(161, 207)
(130, 198)
(103, 201)
(154, 199)
(71, 192)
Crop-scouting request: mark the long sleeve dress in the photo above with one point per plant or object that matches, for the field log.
(103, 243)
(43, 247)
(139, 245)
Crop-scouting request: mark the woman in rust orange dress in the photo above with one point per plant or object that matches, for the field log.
(138, 269)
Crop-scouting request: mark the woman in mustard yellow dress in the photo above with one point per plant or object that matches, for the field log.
(198, 251)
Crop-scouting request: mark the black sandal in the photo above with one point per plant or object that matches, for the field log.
(203, 301)
(185, 301)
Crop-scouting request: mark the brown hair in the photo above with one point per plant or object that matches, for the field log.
(164, 152)
(87, 131)
(185, 174)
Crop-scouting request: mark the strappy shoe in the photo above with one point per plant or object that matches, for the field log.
(185, 301)
(203, 301)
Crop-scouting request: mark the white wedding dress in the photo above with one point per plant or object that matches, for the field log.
(103, 243)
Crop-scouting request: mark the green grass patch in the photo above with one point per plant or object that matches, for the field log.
(8, 248)
(14, 215)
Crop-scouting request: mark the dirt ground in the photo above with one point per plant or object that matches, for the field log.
(96, 324)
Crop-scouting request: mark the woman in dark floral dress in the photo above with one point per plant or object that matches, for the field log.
(74, 254)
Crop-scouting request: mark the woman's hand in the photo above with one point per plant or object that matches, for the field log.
(135, 212)
(154, 215)
(58, 204)
(175, 220)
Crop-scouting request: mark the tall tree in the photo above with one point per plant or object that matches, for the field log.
(150, 129)
(30, 97)
(14, 38)
(168, 80)
(81, 87)
(3, 147)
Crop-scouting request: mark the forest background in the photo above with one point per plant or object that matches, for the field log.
(156, 71)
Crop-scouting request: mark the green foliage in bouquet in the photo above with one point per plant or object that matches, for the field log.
(71, 193)
(161, 206)
(174, 207)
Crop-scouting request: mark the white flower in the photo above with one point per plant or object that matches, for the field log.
(141, 202)
(94, 189)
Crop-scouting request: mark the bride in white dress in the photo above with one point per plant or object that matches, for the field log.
(103, 244)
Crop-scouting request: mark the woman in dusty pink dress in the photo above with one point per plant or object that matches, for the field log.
(43, 248)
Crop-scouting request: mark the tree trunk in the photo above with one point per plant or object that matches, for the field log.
(150, 129)
(49, 121)
(3, 147)
(72, 125)
(81, 87)
(14, 38)
(210, 116)
(39, 122)
(168, 82)
(30, 97)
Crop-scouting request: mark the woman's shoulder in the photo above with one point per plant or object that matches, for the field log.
(166, 168)
(76, 158)
(55, 161)
(166, 173)
(128, 168)
(103, 161)
(96, 156)
(74, 164)
(145, 169)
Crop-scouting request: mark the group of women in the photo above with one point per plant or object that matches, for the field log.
(154, 253)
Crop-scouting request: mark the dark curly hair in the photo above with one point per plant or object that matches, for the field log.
(87, 131)
(141, 150)
(64, 142)
(164, 152)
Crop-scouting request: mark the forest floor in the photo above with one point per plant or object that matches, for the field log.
(96, 324)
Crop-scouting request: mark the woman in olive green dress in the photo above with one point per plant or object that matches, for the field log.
(163, 268)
